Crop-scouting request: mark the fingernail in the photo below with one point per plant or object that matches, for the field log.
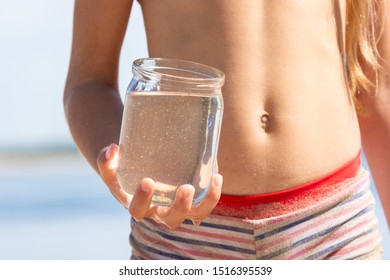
(145, 186)
(218, 181)
(109, 150)
(188, 194)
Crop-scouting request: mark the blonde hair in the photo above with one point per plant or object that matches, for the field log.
(362, 59)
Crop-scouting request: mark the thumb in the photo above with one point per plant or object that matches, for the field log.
(107, 163)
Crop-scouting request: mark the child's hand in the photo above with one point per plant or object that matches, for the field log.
(139, 205)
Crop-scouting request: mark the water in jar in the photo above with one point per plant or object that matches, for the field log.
(171, 138)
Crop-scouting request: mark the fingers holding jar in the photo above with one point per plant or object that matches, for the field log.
(140, 203)
(181, 209)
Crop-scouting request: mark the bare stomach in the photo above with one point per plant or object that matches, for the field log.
(278, 68)
(267, 148)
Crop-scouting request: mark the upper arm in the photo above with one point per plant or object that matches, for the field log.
(375, 124)
(98, 30)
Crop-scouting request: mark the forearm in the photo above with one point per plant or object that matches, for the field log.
(94, 114)
(375, 129)
(375, 123)
(92, 104)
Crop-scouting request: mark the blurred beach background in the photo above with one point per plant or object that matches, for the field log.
(52, 204)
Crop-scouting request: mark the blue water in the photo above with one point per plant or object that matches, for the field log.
(56, 207)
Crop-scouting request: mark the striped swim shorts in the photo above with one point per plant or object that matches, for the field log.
(330, 218)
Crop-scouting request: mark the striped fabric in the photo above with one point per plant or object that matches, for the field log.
(342, 225)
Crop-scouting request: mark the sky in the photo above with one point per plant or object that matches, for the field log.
(35, 43)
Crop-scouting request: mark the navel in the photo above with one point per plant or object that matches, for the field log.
(265, 122)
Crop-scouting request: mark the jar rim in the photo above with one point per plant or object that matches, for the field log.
(191, 73)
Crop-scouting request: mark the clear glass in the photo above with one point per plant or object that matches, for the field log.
(171, 125)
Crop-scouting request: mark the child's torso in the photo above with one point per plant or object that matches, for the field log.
(282, 60)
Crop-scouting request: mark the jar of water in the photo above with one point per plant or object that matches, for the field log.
(171, 125)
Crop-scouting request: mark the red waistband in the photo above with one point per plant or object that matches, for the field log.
(348, 170)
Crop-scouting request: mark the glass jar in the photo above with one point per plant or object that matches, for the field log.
(171, 126)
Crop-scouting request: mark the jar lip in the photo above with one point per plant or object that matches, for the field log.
(192, 73)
